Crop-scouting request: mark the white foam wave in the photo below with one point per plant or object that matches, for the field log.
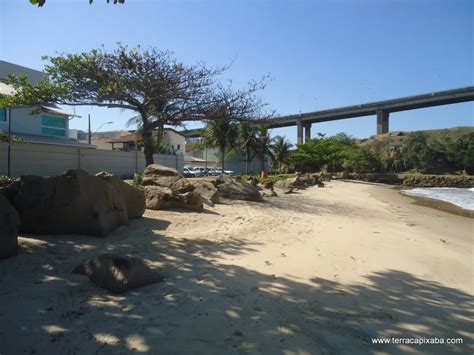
(463, 198)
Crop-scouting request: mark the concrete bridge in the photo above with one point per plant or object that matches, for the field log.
(381, 109)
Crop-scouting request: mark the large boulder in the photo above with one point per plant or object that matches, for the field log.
(207, 190)
(70, 203)
(160, 170)
(166, 189)
(118, 274)
(9, 223)
(134, 198)
(177, 184)
(237, 189)
(162, 198)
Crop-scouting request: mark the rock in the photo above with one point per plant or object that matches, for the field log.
(118, 274)
(160, 198)
(157, 175)
(156, 169)
(207, 190)
(237, 189)
(134, 198)
(70, 203)
(9, 223)
(286, 186)
(252, 180)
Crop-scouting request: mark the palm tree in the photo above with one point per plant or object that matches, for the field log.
(247, 141)
(221, 133)
(264, 144)
(281, 150)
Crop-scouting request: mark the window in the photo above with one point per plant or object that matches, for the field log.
(179, 147)
(53, 126)
(3, 115)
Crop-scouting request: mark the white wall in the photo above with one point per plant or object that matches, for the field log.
(47, 159)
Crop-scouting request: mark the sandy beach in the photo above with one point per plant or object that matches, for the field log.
(323, 270)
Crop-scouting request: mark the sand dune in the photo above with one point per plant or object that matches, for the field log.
(322, 270)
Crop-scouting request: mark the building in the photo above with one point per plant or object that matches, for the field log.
(50, 125)
(173, 141)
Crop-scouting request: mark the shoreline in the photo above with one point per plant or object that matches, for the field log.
(420, 200)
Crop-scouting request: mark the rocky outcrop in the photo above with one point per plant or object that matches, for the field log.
(166, 189)
(118, 274)
(207, 190)
(70, 203)
(163, 198)
(237, 189)
(461, 181)
(9, 223)
(134, 198)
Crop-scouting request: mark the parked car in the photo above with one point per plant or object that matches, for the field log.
(187, 172)
(198, 171)
(229, 172)
(212, 172)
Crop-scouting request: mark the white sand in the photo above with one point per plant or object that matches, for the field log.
(323, 270)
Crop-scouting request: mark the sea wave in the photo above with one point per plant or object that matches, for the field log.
(463, 198)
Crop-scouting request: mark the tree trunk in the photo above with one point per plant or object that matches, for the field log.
(222, 161)
(147, 141)
(247, 158)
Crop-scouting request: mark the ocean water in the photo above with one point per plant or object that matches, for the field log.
(463, 198)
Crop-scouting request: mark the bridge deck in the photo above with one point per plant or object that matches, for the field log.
(401, 104)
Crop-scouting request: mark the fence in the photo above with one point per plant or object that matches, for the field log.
(47, 159)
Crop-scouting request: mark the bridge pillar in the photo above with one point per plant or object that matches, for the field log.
(382, 121)
(307, 132)
(299, 132)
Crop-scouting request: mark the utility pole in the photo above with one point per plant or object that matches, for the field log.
(9, 114)
(89, 134)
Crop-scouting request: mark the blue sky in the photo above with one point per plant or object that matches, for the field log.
(320, 54)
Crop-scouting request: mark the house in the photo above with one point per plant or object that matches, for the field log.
(50, 125)
(173, 141)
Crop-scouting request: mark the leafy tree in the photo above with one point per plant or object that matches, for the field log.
(224, 109)
(247, 142)
(223, 134)
(40, 3)
(359, 160)
(313, 155)
(150, 82)
(5, 139)
(281, 151)
(264, 144)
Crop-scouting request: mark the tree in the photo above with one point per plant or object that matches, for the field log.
(359, 160)
(264, 144)
(225, 108)
(222, 133)
(150, 82)
(247, 142)
(281, 151)
(313, 155)
(40, 3)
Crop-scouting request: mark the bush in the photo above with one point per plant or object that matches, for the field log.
(4, 181)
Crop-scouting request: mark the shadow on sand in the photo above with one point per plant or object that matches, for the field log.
(207, 307)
